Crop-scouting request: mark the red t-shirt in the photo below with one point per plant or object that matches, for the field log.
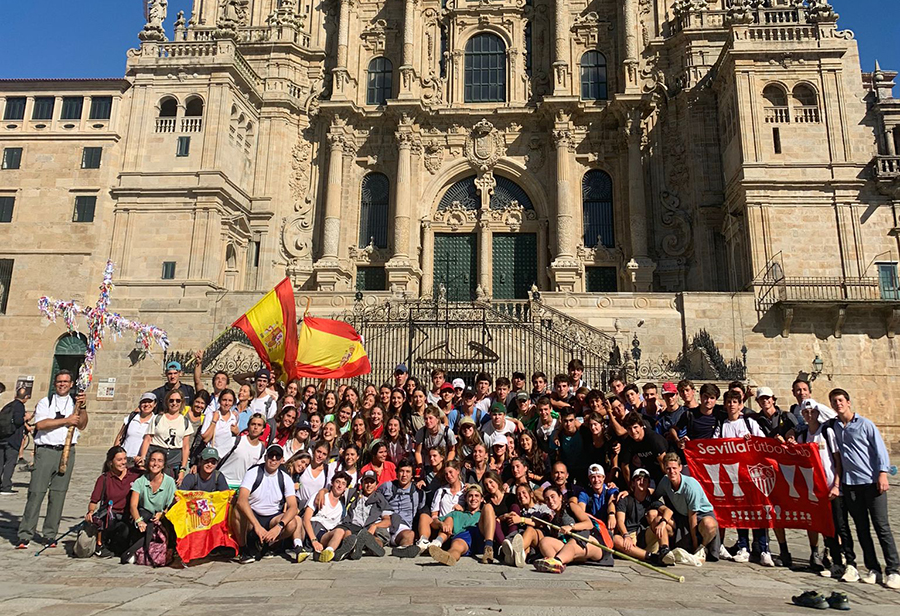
(117, 490)
(388, 472)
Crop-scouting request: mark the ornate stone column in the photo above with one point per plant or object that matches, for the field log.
(560, 62)
(640, 267)
(427, 259)
(630, 20)
(565, 269)
(485, 257)
(401, 271)
(407, 72)
(331, 274)
(340, 74)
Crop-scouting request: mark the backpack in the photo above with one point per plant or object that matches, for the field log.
(237, 441)
(131, 417)
(259, 478)
(153, 550)
(7, 420)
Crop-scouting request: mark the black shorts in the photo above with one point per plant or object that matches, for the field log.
(265, 520)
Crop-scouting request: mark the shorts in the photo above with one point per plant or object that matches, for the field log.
(682, 535)
(646, 540)
(265, 520)
(396, 530)
(318, 529)
(473, 538)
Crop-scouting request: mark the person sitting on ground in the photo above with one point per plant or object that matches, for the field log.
(460, 527)
(109, 502)
(206, 478)
(640, 531)
(318, 522)
(131, 434)
(404, 501)
(499, 506)
(364, 527)
(268, 505)
(559, 550)
(514, 550)
(151, 496)
(446, 499)
(599, 500)
(688, 513)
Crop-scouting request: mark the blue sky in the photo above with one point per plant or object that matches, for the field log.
(64, 38)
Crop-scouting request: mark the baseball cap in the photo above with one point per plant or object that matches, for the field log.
(275, 451)
(825, 413)
(148, 396)
(762, 392)
(498, 407)
(303, 425)
(522, 395)
(466, 420)
(640, 471)
(263, 372)
(369, 475)
(209, 453)
(459, 384)
(596, 469)
(669, 388)
(468, 393)
(476, 487)
(173, 365)
(495, 439)
(446, 386)
(401, 369)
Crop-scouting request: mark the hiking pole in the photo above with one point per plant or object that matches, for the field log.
(75, 528)
(595, 543)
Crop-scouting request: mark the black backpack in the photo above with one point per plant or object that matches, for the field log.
(259, 478)
(131, 417)
(8, 420)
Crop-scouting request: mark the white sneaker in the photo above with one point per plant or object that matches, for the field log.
(892, 581)
(506, 552)
(423, 544)
(700, 554)
(724, 554)
(870, 577)
(765, 559)
(851, 574)
(518, 551)
(743, 556)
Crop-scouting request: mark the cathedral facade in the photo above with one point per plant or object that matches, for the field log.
(651, 167)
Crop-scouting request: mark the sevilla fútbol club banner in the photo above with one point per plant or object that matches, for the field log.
(762, 483)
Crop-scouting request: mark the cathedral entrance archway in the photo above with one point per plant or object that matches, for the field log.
(68, 355)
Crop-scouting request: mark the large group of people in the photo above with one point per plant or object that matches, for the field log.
(548, 475)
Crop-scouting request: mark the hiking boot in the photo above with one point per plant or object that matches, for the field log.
(815, 562)
(811, 599)
(406, 551)
(892, 581)
(442, 556)
(838, 601)
(851, 574)
(742, 556)
(347, 546)
(367, 541)
(765, 559)
(549, 565)
(488, 557)
(326, 555)
(870, 577)
(518, 551)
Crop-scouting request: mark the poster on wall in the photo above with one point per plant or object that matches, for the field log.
(106, 389)
(27, 382)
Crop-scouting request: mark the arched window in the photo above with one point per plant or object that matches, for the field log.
(505, 192)
(373, 210)
(593, 77)
(806, 104)
(597, 206)
(168, 108)
(776, 104)
(485, 69)
(194, 108)
(379, 84)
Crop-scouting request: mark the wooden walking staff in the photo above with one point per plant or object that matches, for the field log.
(594, 542)
(100, 321)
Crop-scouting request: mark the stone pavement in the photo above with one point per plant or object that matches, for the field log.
(54, 584)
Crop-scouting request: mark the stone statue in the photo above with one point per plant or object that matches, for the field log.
(156, 15)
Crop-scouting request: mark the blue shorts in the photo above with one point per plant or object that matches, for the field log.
(473, 538)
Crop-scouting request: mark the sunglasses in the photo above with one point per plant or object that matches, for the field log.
(274, 456)
(174, 401)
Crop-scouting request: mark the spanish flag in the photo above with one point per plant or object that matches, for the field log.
(330, 350)
(201, 523)
(271, 327)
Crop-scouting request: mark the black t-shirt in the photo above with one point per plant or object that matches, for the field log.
(647, 451)
(700, 426)
(778, 425)
(635, 511)
(504, 506)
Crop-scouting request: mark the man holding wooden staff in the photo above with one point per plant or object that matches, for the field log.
(55, 416)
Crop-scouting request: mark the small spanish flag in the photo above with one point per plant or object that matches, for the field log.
(271, 327)
(200, 520)
(330, 350)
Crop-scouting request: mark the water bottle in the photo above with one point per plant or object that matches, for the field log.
(892, 470)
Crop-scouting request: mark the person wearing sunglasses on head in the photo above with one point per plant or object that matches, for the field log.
(170, 432)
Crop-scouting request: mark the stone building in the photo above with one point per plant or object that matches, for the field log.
(653, 168)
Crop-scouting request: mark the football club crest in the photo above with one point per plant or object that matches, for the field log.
(763, 477)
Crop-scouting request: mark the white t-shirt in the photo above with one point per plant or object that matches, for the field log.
(54, 407)
(330, 514)
(259, 405)
(738, 429)
(169, 433)
(826, 443)
(484, 405)
(311, 484)
(245, 455)
(223, 439)
(333, 467)
(266, 500)
(445, 500)
(546, 430)
(508, 428)
(134, 435)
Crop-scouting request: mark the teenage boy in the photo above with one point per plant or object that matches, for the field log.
(688, 394)
(518, 385)
(865, 464)
(737, 425)
(687, 511)
(263, 402)
(401, 375)
(173, 381)
(538, 386)
(617, 387)
(545, 430)
(802, 390)
(650, 407)
(364, 527)
(499, 423)
(461, 527)
(576, 372)
(632, 397)
(438, 378)
(268, 505)
(638, 520)
(562, 395)
(404, 500)
(206, 478)
(667, 421)
(247, 451)
(319, 522)
(599, 499)
(466, 408)
(571, 446)
(701, 422)
(642, 449)
(483, 382)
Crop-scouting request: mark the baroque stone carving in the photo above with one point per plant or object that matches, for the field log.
(484, 145)
(536, 156)
(455, 216)
(157, 11)
(369, 254)
(599, 254)
(300, 173)
(512, 216)
(679, 242)
(434, 156)
(374, 36)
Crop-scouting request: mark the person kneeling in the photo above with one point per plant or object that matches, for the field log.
(364, 525)
(462, 527)
(268, 506)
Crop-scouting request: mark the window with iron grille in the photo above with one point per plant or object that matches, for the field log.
(6, 267)
(84, 208)
(12, 158)
(101, 107)
(15, 108)
(374, 202)
(597, 207)
(71, 108)
(168, 270)
(183, 148)
(90, 158)
(593, 77)
(888, 281)
(43, 108)
(485, 69)
(601, 279)
(379, 83)
(371, 279)
(6, 208)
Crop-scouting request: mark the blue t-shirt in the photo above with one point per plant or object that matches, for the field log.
(689, 496)
(598, 504)
(665, 421)
(478, 416)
